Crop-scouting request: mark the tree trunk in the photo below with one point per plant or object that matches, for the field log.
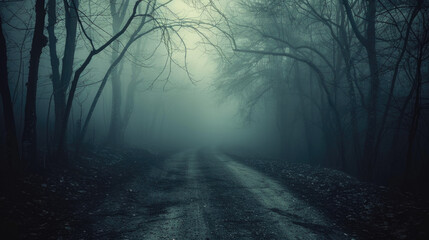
(61, 82)
(55, 63)
(370, 150)
(346, 55)
(113, 137)
(67, 66)
(305, 117)
(411, 159)
(70, 46)
(29, 137)
(353, 114)
(10, 162)
(397, 153)
(130, 96)
(369, 42)
(129, 107)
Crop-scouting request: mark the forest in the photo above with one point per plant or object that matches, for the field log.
(142, 112)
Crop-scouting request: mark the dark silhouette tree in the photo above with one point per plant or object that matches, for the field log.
(61, 81)
(60, 152)
(29, 137)
(10, 162)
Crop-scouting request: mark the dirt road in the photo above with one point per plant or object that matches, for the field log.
(204, 194)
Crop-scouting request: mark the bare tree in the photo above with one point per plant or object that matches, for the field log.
(29, 137)
(61, 82)
(118, 12)
(152, 21)
(328, 37)
(11, 160)
(79, 71)
(369, 42)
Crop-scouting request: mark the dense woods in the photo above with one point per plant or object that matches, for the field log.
(337, 84)
(75, 29)
(345, 80)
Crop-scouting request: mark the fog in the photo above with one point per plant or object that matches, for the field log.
(334, 85)
(174, 108)
(180, 74)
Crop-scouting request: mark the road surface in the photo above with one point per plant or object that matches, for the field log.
(204, 194)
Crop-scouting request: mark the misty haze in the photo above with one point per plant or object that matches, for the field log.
(214, 119)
